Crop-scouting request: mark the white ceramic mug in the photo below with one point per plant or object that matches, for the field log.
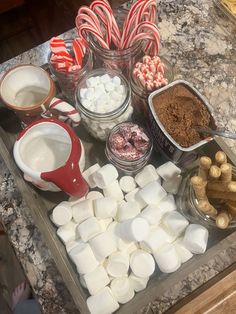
(51, 157)
(29, 91)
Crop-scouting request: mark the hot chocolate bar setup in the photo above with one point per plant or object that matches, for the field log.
(126, 191)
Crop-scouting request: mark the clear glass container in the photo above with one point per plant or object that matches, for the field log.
(68, 81)
(187, 203)
(97, 124)
(128, 167)
(140, 94)
(119, 60)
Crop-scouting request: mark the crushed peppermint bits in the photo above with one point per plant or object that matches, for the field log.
(129, 142)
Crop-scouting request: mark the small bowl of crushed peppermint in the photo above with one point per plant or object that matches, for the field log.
(128, 147)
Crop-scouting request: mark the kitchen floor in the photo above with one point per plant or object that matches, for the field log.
(34, 22)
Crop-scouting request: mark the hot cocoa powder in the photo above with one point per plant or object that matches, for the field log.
(179, 111)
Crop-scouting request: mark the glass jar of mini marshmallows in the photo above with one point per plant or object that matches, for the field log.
(103, 98)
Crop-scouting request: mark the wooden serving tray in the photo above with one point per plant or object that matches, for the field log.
(41, 204)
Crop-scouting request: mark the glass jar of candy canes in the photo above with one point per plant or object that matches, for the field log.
(128, 147)
(68, 80)
(144, 80)
(103, 98)
(119, 60)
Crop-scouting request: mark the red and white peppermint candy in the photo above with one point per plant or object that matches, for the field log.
(66, 110)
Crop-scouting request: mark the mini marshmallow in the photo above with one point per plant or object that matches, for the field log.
(103, 245)
(96, 280)
(105, 176)
(175, 223)
(89, 228)
(142, 263)
(82, 210)
(172, 185)
(146, 175)
(61, 214)
(196, 238)
(105, 207)
(138, 283)
(183, 253)
(105, 78)
(89, 173)
(135, 229)
(122, 290)
(83, 257)
(152, 214)
(89, 94)
(116, 80)
(114, 191)
(82, 92)
(92, 81)
(167, 204)
(67, 232)
(127, 184)
(155, 240)
(127, 210)
(109, 86)
(152, 193)
(168, 170)
(93, 195)
(118, 264)
(103, 302)
(167, 259)
(104, 223)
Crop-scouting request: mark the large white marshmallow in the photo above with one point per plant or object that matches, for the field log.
(105, 207)
(89, 228)
(96, 280)
(127, 210)
(82, 210)
(103, 302)
(146, 175)
(62, 214)
(83, 257)
(135, 229)
(172, 185)
(67, 233)
(73, 199)
(105, 176)
(130, 197)
(168, 170)
(103, 245)
(122, 290)
(196, 238)
(184, 254)
(114, 191)
(118, 264)
(133, 196)
(142, 263)
(152, 214)
(127, 184)
(152, 193)
(70, 245)
(155, 240)
(93, 195)
(167, 259)
(104, 223)
(138, 283)
(88, 175)
(167, 204)
(175, 223)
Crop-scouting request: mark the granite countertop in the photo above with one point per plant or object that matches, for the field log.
(201, 44)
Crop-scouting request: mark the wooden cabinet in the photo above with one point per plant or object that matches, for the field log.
(6, 5)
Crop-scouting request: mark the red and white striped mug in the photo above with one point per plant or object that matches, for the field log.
(29, 91)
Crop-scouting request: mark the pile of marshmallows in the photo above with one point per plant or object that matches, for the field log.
(114, 238)
(104, 94)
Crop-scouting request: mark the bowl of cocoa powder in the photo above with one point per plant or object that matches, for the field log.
(174, 112)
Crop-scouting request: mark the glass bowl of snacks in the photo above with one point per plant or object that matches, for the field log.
(128, 147)
(208, 193)
(147, 75)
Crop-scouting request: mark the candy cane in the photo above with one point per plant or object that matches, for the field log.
(67, 110)
(87, 11)
(89, 29)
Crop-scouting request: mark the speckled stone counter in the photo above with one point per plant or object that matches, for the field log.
(201, 45)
